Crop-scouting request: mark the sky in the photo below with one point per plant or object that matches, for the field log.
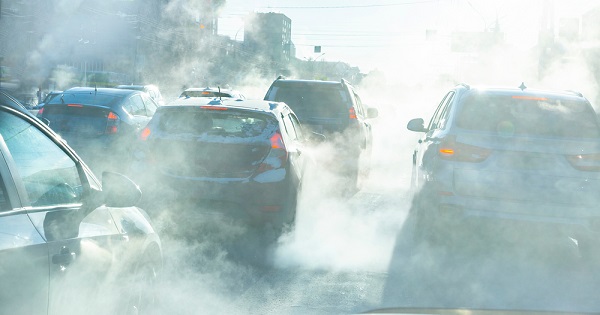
(369, 33)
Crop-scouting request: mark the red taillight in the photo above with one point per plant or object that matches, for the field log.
(277, 156)
(112, 123)
(145, 134)
(277, 141)
(41, 111)
(213, 107)
(352, 113)
(74, 105)
(585, 162)
(452, 150)
(112, 116)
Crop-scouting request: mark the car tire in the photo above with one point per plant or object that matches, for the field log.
(141, 292)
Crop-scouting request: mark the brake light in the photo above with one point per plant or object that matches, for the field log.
(352, 113)
(277, 141)
(145, 134)
(585, 162)
(213, 107)
(74, 105)
(112, 116)
(277, 157)
(452, 150)
(41, 111)
(112, 123)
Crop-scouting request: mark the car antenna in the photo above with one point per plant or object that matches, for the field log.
(95, 88)
(220, 99)
(522, 86)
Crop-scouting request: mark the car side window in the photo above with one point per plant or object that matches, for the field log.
(289, 127)
(4, 204)
(49, 175)
(445, 112)
(138, 107)
(435, 119)
(297, 126)
(150, 105)
(359, 105)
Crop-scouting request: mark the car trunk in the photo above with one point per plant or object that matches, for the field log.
(191, 142)
(530, 169)
(77, 121)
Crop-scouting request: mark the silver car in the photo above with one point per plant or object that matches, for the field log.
(508, 163)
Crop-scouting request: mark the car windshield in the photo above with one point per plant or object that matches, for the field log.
(306, 156)
(533, 116)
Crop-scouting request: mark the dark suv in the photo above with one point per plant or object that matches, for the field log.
(332, 108)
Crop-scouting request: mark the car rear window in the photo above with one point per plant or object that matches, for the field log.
(86, 99)
(313, 101)
(529, 115)
(228, 123)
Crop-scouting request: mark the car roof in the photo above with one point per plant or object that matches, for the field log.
(109, 91)
(305, 82)
(504, 90)
(210, 89)
(256, 105)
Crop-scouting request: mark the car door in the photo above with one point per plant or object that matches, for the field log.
(423, 155)
(294, 144)
(51, 184)
(24, 262)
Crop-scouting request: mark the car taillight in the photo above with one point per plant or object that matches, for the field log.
(352, 113)
(585, 162)
(452, 150)
(145, 134)
(277, 156)
(112, 123)
(41, 111)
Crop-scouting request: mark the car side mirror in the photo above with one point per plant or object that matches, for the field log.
(119, 191)
(372, 112)
(417, 125)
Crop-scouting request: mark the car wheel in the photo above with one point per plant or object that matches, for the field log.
(141, 294)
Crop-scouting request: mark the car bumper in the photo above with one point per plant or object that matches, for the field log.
(244, 199)
(516, 219)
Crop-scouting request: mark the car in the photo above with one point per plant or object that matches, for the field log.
(68, 242)
(334, 109)
(100, 123)
(151, 89)
(507, 163)
(35, 110)
(245, 154)
(211, 92)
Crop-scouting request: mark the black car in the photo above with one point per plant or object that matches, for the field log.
(100, 123)
(245, 154)
(332, 108)
(68, 243)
